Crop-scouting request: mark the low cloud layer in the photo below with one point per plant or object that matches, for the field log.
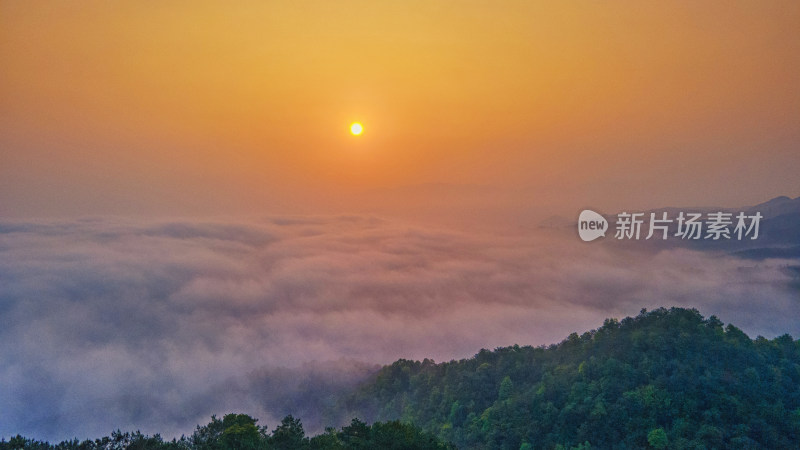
(155, 326)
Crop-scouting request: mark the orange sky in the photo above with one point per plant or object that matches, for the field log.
(244, 107)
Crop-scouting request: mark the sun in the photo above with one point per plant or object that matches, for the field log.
(356, 129)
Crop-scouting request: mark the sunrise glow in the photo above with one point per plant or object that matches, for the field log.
(338, 209)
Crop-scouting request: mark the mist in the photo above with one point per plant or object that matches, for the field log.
(156, 325)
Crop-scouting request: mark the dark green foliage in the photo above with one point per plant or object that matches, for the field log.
(657, 438)
(240, 432)
(117, 441)
(289, 435)
(664, 379)
(393, 435)
(234, 432)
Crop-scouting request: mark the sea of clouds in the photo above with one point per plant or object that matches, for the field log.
(111, 323)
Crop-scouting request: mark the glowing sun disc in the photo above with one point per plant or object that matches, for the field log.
(356, 129)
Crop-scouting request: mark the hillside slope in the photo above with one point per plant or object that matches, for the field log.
(666, 378)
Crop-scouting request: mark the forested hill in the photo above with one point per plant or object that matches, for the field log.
(663, 379)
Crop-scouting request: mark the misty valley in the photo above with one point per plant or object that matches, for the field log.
(667, 378)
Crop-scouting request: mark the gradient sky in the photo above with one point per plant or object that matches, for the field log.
(163, 108)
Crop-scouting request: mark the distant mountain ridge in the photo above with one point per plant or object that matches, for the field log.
(779, 230)
(771, 208)
(776, 207)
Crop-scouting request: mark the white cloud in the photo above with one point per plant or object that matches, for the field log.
(156, 326)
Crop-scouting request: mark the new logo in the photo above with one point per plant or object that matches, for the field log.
(591, 225)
